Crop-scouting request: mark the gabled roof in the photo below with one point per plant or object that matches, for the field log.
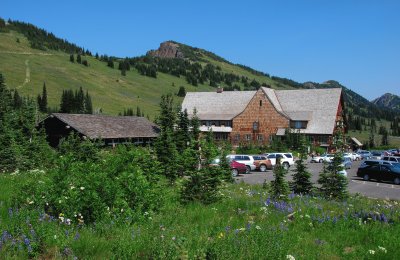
(217, 106)
(316, 106)
(319, 106)
(107, 127)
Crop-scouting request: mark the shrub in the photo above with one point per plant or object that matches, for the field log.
(125, 183)
(202, 186)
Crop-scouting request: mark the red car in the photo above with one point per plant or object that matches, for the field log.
(236, 167)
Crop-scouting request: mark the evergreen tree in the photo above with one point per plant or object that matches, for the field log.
(371, 138)
(195, 126)
(43, 100)
(302, 177)
(181, 92)
(72, 58)
(84, 62)
(182, 131)
(17, 100)
(138, 111)
(333, 182)
(110, 63)
(279, 186)
(79, 59)
(165, 145)
(385, 140)
(88, 104)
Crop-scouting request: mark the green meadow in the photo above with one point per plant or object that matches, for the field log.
(245, 224)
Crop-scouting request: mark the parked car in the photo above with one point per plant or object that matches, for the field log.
(262, 162)
(365, 154)
(347, 162)
(377, 155)
(391, 158)
(236, 167)
(323, 158)
(353, 156)
(380, 172)
(368, 163)
(356, 157)
(245, 159)
(286, 159)
(342, 171)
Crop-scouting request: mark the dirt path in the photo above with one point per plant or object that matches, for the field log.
(27, 53)
(27, 75)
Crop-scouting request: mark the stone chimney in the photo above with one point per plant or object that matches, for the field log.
(220, 90)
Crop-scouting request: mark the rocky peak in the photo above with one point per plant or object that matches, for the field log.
(388, 101)
(167, 49)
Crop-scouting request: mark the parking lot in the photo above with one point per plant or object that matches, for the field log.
(370, 189)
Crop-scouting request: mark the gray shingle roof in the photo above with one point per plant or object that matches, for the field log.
(319, 105)
(217, 106)
(106, 127)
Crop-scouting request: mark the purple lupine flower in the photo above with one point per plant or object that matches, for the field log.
(383, 218)
(227, 229)
(77, 236)
(10, 212)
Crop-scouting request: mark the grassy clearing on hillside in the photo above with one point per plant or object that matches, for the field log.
(245, 225)
(109, 90)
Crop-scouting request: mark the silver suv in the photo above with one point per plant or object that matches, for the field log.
(391, 158)
(245, 159)
(286, 159)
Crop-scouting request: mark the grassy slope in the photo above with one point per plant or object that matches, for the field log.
(109, 90)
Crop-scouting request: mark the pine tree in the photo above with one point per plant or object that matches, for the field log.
(181, 92)
(71, 58)
(110, 63)
(88, 104)
(43, 100)
(138, 111)
(279, 186)
(302, 177)
(333, 182)
(165, 145)
(195, 126)
(79, 59)
(182, 134)
(17, 100)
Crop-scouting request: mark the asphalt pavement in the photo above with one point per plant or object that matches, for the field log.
(371, 189)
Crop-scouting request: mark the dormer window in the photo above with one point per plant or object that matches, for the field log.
(298, 124)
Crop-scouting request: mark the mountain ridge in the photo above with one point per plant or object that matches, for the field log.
(388, 101)
(158, 72)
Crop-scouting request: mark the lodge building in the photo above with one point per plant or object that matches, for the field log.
(257, 116)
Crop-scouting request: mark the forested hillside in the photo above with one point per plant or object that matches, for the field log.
(31, 57)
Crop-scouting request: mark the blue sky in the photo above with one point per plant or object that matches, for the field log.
(354, 42)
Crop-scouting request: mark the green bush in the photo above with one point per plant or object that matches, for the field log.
(202, 186)
(125, 184)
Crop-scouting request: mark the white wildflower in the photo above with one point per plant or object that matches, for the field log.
(258, 227)
(382, 249)
(82, 188)
(290, 257)
(372, 252)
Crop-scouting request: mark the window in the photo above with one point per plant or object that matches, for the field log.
(247, 137)
(298, 124)
(255, 126)
(260, 137)
(237, 137)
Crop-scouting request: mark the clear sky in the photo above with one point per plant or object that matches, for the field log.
(356, 42)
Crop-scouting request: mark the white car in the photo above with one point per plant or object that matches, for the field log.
(322, 158)
(286, 159)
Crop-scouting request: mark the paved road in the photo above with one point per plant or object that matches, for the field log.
(370, 189)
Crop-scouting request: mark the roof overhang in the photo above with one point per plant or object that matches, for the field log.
(216, 129)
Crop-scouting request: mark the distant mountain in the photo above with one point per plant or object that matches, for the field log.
(388, 101)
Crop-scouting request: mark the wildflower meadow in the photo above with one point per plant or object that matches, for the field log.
(247, 223)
